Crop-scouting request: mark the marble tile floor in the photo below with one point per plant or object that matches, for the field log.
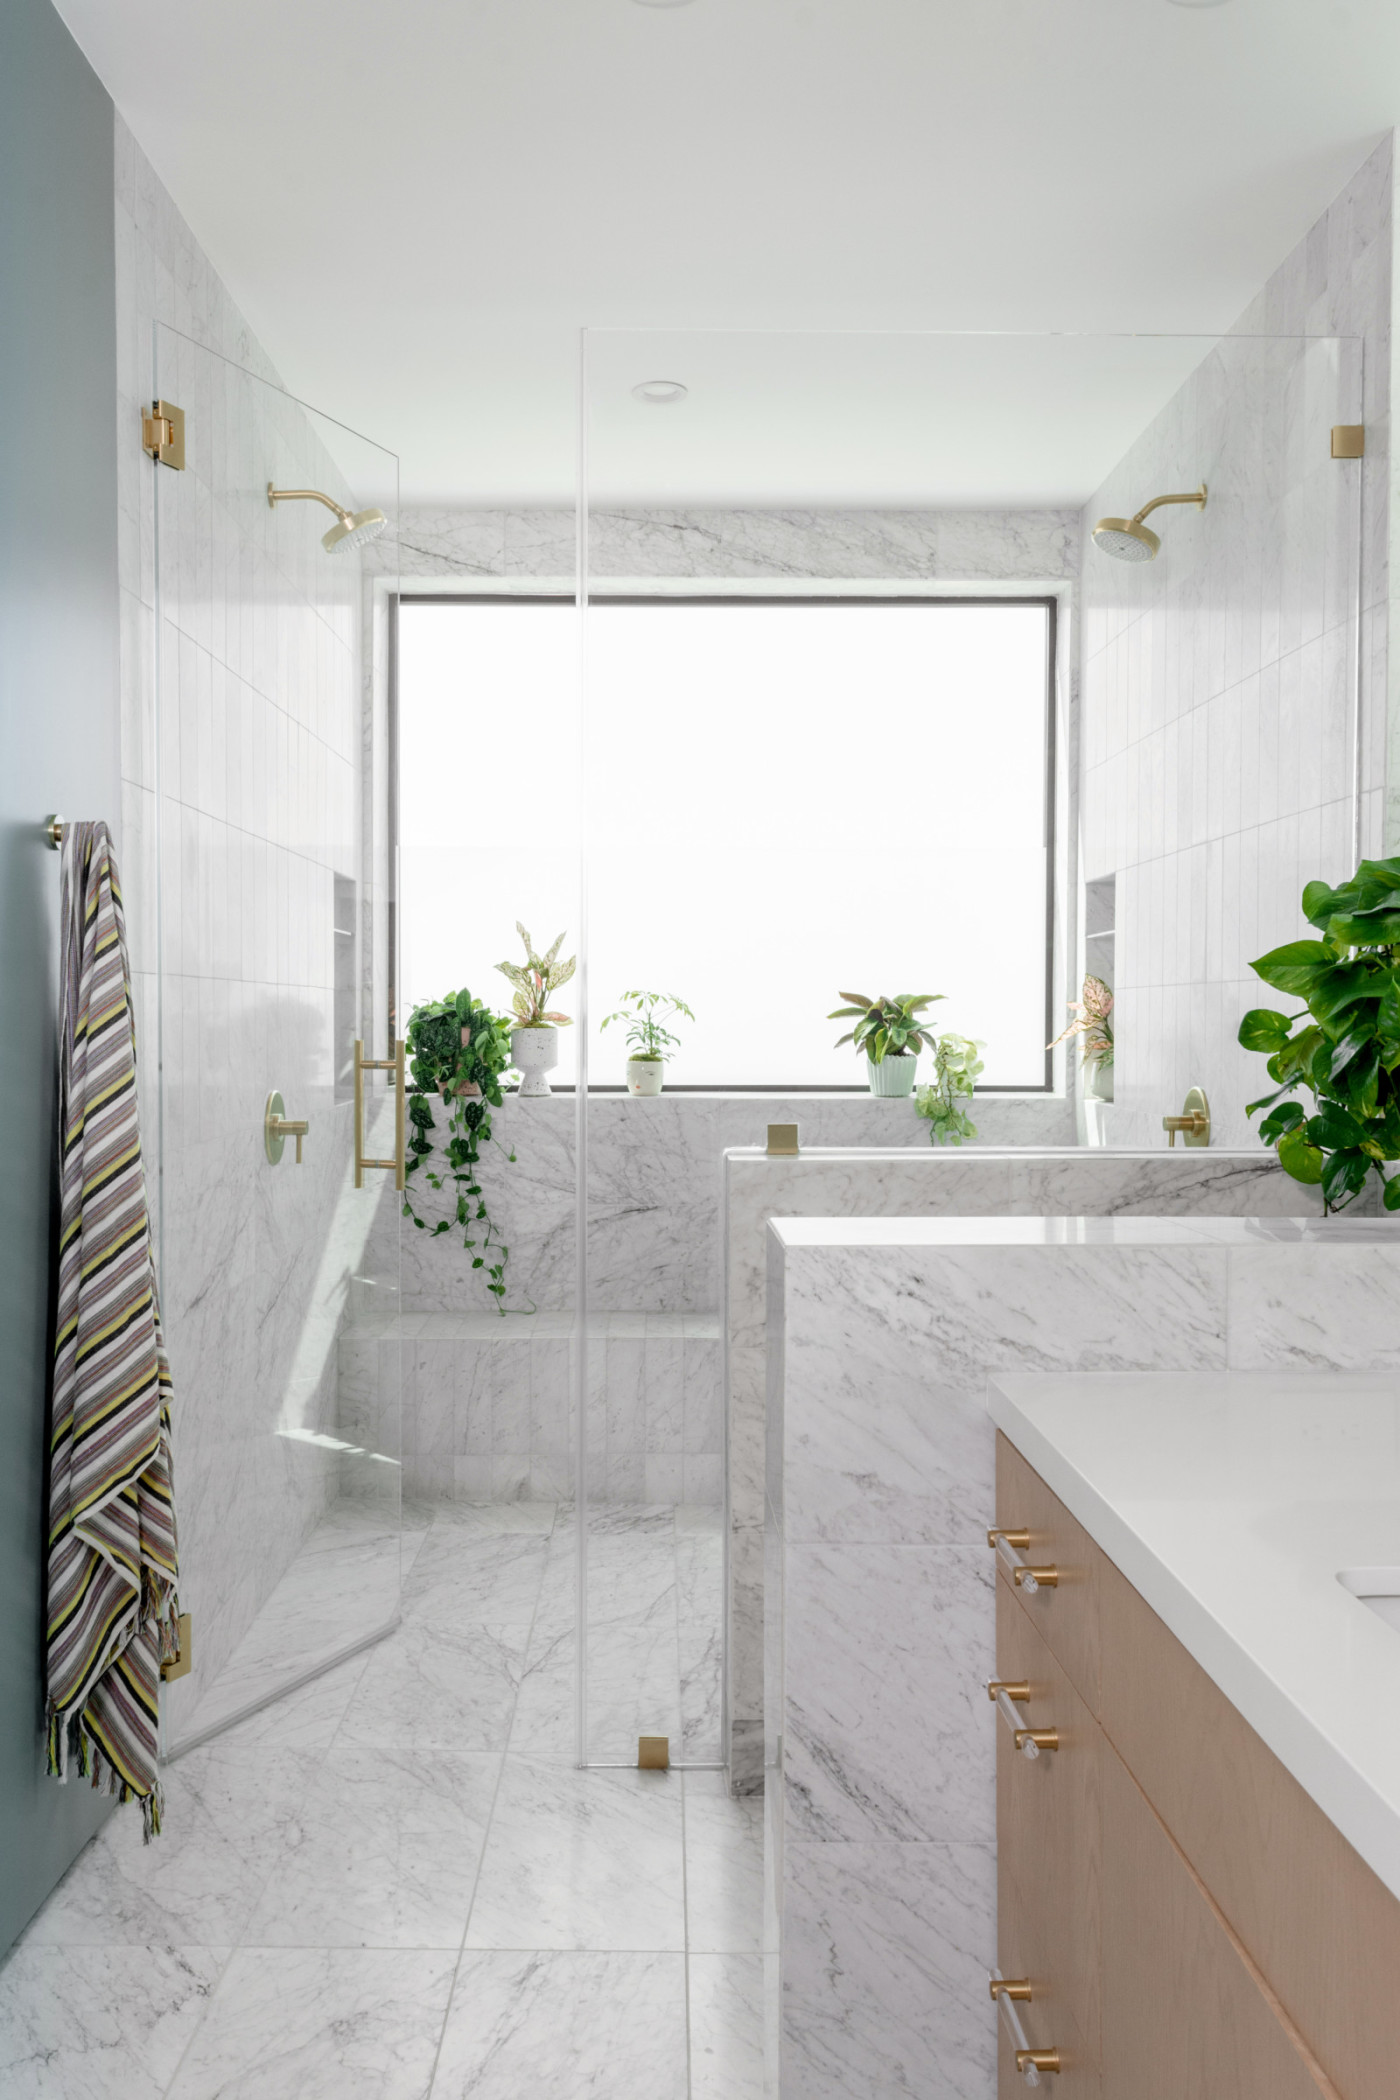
(395, 1883)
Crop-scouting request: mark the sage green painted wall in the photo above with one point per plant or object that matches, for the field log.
(59, 725)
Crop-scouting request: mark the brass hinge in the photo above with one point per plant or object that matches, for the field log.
(179, 1665)
(163, 433)
(653, 1753)
(1348, 441)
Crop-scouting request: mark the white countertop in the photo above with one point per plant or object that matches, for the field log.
(1231, 1501)
(1083, 1232)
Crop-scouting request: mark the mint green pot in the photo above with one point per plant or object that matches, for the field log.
(893, 1077)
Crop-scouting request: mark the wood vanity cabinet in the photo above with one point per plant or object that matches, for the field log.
(1191, 1925)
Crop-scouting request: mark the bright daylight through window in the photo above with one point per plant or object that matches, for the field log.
(787, 800)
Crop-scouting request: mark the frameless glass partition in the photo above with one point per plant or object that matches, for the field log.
(267, 862)
(869, 706)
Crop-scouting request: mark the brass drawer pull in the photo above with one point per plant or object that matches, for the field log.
(1031, 2063)
(1010, 1546)
(1029, 1741)
(1019, 1692)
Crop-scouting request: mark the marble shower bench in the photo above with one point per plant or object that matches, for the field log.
(880, 1846)
(867, 1181)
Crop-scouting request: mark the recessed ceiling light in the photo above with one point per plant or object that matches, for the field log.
(673, 3)
(659, 390)
(1181, 3)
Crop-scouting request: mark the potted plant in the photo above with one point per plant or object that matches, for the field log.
(457, 1050)
(647, 1039)
(1347, 1050)
(534, 1048)
(889, 1034)
(1093, 1019)
(955, 1069)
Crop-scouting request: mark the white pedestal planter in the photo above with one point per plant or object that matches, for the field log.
(534, 1051)
(645, 1074)
(893, 1077)
(1098, 1081)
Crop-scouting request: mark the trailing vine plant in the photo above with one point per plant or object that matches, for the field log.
(457, 1049)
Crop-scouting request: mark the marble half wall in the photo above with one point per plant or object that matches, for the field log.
(979, 1182)
(880, 1609)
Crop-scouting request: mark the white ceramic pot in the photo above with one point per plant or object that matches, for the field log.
(1098, 1081)
(645, 1074)
(533, 1052)
(893, 1077)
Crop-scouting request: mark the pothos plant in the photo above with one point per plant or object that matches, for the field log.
(457, 1050)
(955, 1069)
(1344, 1047)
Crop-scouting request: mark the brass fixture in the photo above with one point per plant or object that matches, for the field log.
(53, 831)
(782, 1141)
(1033, 1740)
(1348, 441)
(1008, 1995)
(1128, 539)
(163, 434)
(179, 1665)
(277, 1129)
(394, 1064)
(1010, 1546)
(355, 528)
(1019, 1692)
(1193, 1122)
(653, 1753)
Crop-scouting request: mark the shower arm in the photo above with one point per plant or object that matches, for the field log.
(276, 496)
(1198, 497)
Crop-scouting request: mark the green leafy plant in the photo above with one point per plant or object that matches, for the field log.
(541, 975)
(956, 1066)
(885, 1027)
(645, 1013)
(457, 1050)
(1344, 1048)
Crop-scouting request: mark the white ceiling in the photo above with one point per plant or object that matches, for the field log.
(417, 204)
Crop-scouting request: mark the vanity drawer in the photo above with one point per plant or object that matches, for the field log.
(1048, 1843)
(1183, 2015)
(1067, 1616)
(1321, 1927)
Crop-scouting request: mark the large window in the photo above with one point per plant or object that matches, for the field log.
(782, 800)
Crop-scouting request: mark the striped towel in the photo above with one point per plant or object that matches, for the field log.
(112, 1562)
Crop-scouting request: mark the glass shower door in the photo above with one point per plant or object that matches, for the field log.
(264, 858)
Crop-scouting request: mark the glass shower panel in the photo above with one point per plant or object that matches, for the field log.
(269, 857)
(866, 705)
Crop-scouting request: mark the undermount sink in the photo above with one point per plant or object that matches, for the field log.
(1377, 1588)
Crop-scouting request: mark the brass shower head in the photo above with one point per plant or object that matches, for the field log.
(1128, 539)
(354, 529)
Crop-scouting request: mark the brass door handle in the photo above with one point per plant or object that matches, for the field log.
(1010, 1547)
(394, 1064)
(278, 1127)
(1010, 1995)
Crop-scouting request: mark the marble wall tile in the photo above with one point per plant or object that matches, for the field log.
(726, 2026)
(887, 1952)
(887, 1739)
(1324, 1308)
(1217, 752)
